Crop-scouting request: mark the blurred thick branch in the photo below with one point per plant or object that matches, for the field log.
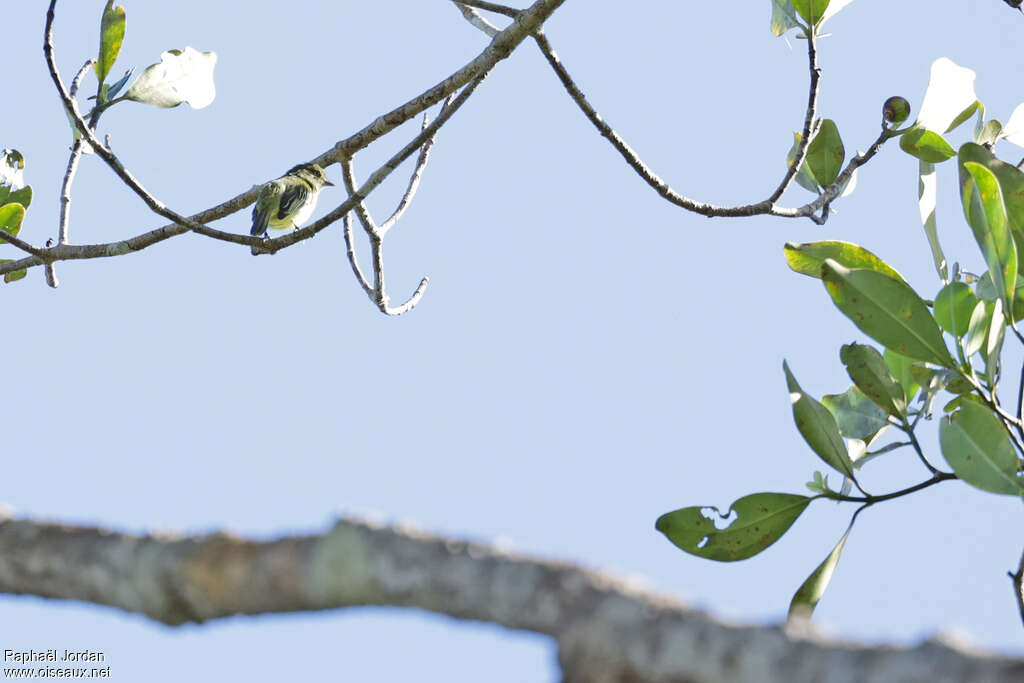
(607, 629)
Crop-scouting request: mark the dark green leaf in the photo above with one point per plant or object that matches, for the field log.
(869, 371)
(976, 446)
(825, 154)
(818, 427)
(761, 519)
(926, 145)
(809, 257)
(888, 311)
(807, 596)
(953, 307)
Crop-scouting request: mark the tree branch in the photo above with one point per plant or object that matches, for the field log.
(502, 45)
(767, 206)
(607, 630)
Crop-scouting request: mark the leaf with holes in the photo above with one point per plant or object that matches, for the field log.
(761, 519)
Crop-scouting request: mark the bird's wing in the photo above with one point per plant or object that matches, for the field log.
(262, 209)
(292, 198)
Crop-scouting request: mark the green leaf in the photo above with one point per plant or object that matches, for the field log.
(967, 113)
(976, 446)
(818, 427)
(994, 340)
(807, 596)
(1011, 183)
(761, 519)
(986, 213)
(888, 311)
(900, 367)
(989, 133)
(869, 371)
(180, 76)
(15, 275)
(803, 177)
(926, 145)
(858, 416)
(809, 257)
(811, 10)
(826, 153)
(111, 35)
(954, 305)
(11, 216)
(783, 16)
(927, 196)
(978, 326)
(9, 195)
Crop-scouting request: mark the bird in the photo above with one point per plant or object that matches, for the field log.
(1016, 4)
(288, 202)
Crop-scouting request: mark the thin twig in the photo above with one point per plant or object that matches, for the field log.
(474, 18)
(353, 258)
(77, 149)
(909, 431)
(417, 174)
(767, 206)
(23, 245)
(490, 7)
(809, 119)
(937, 478)
(378, 292)
(1018, 586)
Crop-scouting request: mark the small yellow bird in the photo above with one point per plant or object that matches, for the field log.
(288, 202)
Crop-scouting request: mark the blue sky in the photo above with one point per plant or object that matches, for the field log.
(586, 358)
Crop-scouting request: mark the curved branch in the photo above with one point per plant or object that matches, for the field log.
(809, 118)
(353, 257)
(607, 629)
(767, 206)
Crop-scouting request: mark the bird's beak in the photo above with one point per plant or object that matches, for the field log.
(328, 183)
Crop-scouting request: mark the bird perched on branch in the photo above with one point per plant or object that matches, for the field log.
(288, 201)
